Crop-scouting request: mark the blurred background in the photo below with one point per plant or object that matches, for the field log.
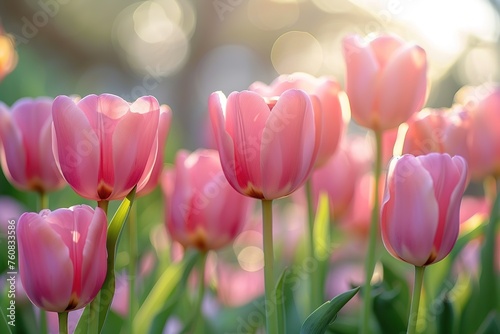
(181, 51)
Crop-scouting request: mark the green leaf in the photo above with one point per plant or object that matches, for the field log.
(321, 232)
(389, 310)
(446, 317)
(323, 316)
(162, 292)
(92, 319)
(280, 301)
(491, 324)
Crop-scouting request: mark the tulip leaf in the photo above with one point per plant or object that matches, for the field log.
(321, 229)
(389, 310)
(92, 319)
(323, 316)
(491, 324)
(280, 301)
(163, 293)
(446, 317)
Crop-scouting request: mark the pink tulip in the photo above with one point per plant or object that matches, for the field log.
(62, 256)
(329, 93)
(103, 143)
(386, 80)
(484, 137)
(204, 211)
(436, 130)
(267, 147)
(421, 206)
(26, 145)
(151, 176)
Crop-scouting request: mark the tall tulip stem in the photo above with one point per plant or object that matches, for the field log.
(271, 314)
(132, 264)
(314, 283)
(103, 205)
(415, 300)
(372, 243)
(63, 322)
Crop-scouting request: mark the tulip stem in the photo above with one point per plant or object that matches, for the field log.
(43, 200)
(267, 220)
(201, 291)
(103, 205)
(315, 286)
(372, 243)
(415, 300)
(132, 268)
(63, 322)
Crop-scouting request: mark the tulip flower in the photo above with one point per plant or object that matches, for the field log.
(420, 213)
(330, 96)
(103, 143)
(204, 211)
(386, 80)
(8, 54)
(62, 256)
(435, 130)
(26, 145)
(484, 137)
(267, 147)
(421, 206)
(150, 178)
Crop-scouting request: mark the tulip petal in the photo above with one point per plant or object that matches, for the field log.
(398, 96)
(409, 212)
(289, 144)
(246, 116)
(76, 148)
(45, 266)
(361, 79)
(12, 154)
(131, 148)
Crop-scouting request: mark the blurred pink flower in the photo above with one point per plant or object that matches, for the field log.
(204, 211)
(380, 94)
(26, 145)
(329, 93)
(267, 147)
(62, 256)
(421, 206)
(103, 143)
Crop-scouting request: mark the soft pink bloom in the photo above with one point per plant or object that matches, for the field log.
(337, 178)
(103, 143)
(386, 80)
(151, 176)
(62, 256)
(329, 93)
(203, 210)
(435, 130)
(421, 206)
(26, 145)
(484, 137)
(267, 147)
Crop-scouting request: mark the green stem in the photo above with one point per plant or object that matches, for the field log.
(63, 322)
(267, 220)
(43, 201)
(132, 264)
(415, 300)
(201, 291)
(315, 286)
(372, 243)
(103, 205)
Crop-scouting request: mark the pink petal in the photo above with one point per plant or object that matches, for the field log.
(13, 156)
(409, 211)
(361, 79)
(399, 97)
(44, 264)
(289, 144)
(76, 147)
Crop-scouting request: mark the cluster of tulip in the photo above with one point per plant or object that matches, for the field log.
(272, 141)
